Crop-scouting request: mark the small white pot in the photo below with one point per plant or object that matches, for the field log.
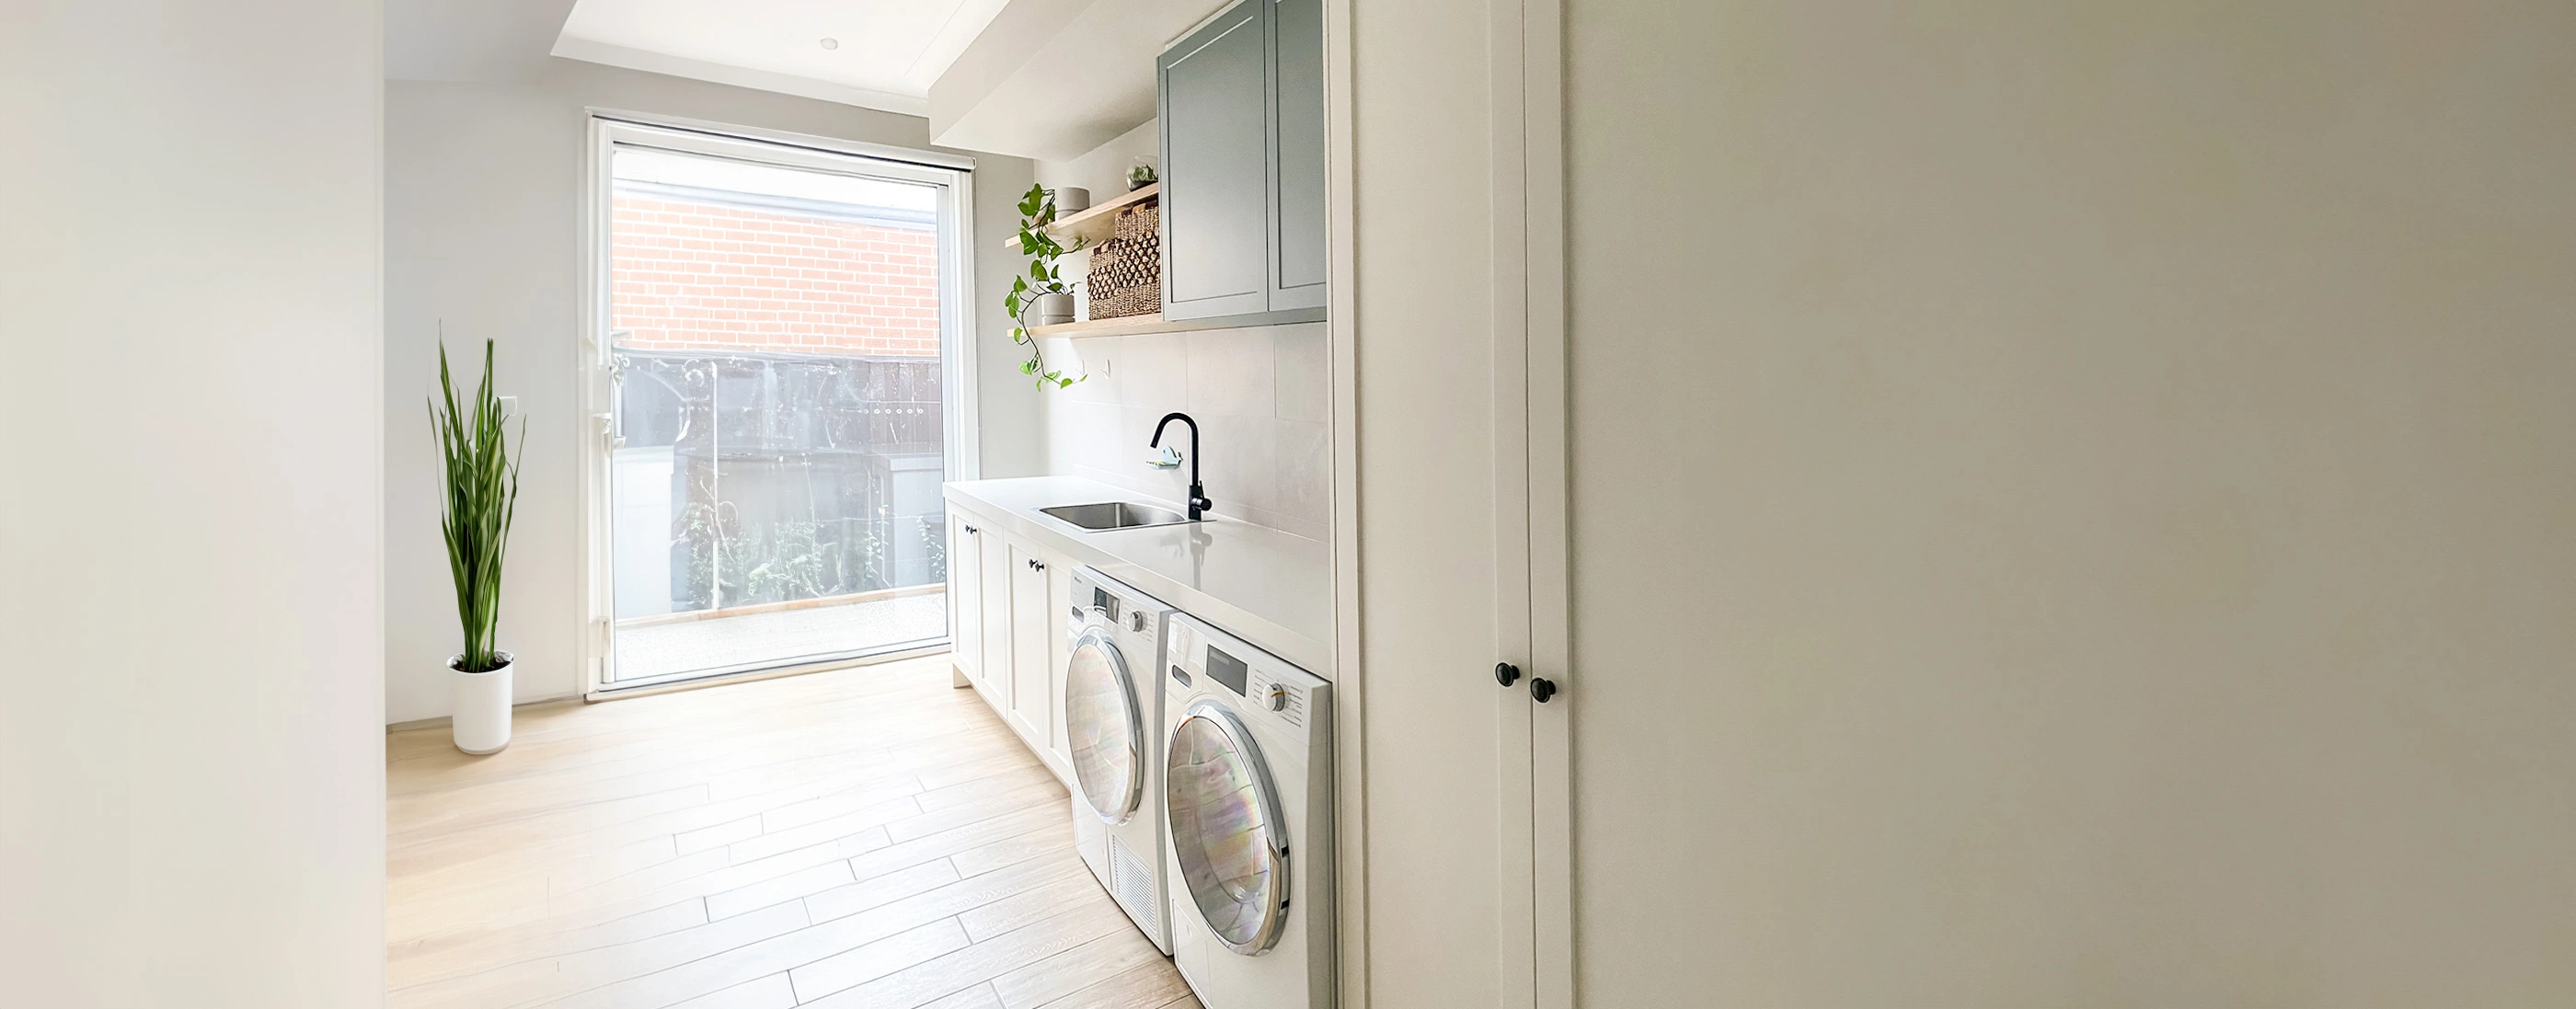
(1051, 310)
(482, 720)
(1072, 198)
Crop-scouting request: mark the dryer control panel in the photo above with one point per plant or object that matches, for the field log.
(1131, 617)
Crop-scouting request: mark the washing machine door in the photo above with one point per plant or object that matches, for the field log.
(1105, 727)
(1227, 830)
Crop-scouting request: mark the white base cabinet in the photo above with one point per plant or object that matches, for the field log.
(1008, 605)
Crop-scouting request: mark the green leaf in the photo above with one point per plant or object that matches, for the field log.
(1029, 367)
(1037, 270)
(1011, 303)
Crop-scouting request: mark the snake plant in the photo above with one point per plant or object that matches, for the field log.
(482, 491)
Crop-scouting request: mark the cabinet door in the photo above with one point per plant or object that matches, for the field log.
(1068, 624)
(1033, 633)
(1216, 172)
(965, 598)
(1299, 258)
(994, 555)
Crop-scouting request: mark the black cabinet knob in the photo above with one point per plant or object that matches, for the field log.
(1541, 688)
(1506, 673)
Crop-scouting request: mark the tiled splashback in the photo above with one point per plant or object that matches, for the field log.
(1260, 395)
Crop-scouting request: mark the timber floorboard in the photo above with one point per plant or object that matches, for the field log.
(871, 838)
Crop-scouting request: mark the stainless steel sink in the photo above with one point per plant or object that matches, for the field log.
(1115, 515)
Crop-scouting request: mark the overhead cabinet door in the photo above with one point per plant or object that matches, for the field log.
(1298, 255)
(1216, 153)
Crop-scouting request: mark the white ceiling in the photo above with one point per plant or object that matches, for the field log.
(889, 51)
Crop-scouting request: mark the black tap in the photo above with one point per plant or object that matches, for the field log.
(1199, 503)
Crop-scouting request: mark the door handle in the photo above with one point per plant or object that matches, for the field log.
(1506, 673)
(971, 530)
(1036, 566)
(1542, 688)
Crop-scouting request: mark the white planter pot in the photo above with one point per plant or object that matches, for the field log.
(1071, 198)
(482, 721)
(1051, 310)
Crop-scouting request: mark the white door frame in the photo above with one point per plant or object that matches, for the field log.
(1350, 683)
(1532, 622)
(961, 444)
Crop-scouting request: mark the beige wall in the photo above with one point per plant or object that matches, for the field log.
(483, 184)
(191, 767)
(2076, 504)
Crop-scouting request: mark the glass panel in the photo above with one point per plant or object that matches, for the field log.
(1100, 721)
(776, 346)
(1221, 833)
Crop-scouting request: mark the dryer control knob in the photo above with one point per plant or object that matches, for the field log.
(1278, 699)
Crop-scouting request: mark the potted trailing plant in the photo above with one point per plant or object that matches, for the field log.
(482, 491)
(1042, 297)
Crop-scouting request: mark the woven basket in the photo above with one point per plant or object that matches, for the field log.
(1126, 275)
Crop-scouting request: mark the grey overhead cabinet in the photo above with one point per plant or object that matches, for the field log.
(1243, 166)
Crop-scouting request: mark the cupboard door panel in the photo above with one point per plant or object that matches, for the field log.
(1216, 153)
(1032, 645)
(965, 598)
(1060, 615)
(995, 556)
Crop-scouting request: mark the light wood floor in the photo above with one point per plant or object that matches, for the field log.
(864, 839)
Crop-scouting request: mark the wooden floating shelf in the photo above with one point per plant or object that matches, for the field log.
(1130, 325)
(1094, 225)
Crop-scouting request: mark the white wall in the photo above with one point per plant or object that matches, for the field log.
(190, 757)
(2076, 505)
(483, 182)
(1103, 171)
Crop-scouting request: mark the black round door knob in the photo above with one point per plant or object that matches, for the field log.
(1541, 688)
(1506, 673)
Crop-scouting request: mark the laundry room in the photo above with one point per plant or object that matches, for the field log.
(955, 617)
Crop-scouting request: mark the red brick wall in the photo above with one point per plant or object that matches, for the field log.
(694, 275)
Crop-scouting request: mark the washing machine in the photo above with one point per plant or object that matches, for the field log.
(1113, 722)
(1248, 791)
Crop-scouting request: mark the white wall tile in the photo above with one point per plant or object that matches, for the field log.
(1259, 395)
(1230, 373)
(1305, 465)
(1301, 372)
(1242, 460)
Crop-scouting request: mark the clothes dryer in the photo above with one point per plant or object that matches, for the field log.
(1113, 724)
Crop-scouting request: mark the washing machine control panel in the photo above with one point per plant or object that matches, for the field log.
(1210, 659)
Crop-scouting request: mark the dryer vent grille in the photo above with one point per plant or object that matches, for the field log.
(1134, 885)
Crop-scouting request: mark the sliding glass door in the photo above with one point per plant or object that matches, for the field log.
(778, 366)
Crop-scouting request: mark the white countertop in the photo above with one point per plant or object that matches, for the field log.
(1259, 584)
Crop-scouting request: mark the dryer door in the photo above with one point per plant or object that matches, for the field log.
(1105, 727)
(1227, 830)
